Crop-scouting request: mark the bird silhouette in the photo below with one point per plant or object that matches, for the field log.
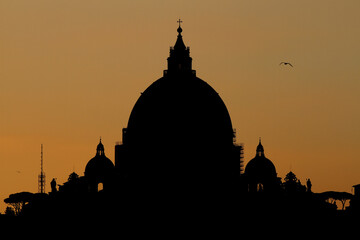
(286, 63)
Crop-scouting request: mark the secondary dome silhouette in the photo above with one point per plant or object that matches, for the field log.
(179, 130)
(261, 172)
(99, 169)
(260, 166)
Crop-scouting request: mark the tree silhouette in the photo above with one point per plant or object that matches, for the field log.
(340, 196)
(290, 177)
(73, 177)
(18, 200)
(292, 184)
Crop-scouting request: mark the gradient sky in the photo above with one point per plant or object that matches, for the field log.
(71, 71)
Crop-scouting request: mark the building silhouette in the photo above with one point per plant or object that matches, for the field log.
(260, 173)
(179, 135)
(99, 171)
(179, 145)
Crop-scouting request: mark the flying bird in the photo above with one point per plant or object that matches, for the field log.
(286, 63)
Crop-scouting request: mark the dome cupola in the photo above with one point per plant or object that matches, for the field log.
(260, 149)
(99, 169)
(260, 171)
(100, 149)
(179, 61)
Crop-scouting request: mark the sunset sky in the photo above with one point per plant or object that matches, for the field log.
(72, 70)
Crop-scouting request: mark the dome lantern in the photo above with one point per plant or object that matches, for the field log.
(179, 61)
(260, 149)
(100, 149)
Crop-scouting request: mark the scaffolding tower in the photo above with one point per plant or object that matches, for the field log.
(241, 158)
(41, 177)
(240, 148)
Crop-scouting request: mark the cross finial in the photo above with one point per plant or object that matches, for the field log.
(179, 21)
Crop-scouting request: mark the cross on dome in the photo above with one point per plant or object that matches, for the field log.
(179, 30)
(179, 21)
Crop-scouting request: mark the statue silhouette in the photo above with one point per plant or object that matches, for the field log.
(53, 186)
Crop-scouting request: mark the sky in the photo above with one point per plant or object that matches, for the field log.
(71, 71)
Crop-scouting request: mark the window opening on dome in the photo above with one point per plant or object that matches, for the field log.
(100, 186)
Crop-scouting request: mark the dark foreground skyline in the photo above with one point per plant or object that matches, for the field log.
(201, 172)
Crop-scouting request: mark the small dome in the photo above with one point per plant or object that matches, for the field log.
(260, 167)
(99, 166)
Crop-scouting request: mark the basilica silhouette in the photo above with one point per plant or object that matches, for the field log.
(179, 138)
(178, 156)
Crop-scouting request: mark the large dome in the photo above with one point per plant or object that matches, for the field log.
(180, 127)
(179, 110)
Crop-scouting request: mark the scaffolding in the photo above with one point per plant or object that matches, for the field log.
(240, 148)
(241, 158)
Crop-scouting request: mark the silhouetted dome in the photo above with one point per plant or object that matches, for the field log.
(176, 109)
(180, 125)
(260, 167)
(179, 107)
(99, 166)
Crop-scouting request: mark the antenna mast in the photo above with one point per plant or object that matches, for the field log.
(41, 178)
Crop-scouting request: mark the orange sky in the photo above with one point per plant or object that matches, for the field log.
(71, 71)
